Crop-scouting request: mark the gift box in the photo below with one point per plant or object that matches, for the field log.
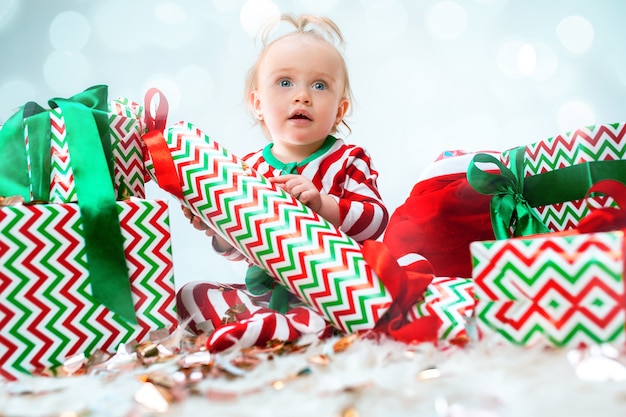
(69, 152)
(122, 127)
(554, 289)
(541, 187)
(48, 311)
(451, 299)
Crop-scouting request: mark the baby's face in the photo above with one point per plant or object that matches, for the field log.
(300, 90)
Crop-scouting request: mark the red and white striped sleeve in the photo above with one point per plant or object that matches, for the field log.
(348, 174)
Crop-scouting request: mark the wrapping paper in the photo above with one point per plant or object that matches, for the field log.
(556, 290)
(47, 310)
(314, 260)
(542, 187)
(125, 129)
(78, 151)
(451, 299)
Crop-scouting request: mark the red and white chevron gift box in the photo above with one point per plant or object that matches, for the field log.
(47, 311)
(126, 126)
(554, 174)
(555, 289)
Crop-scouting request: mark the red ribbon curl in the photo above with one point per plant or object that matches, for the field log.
(407, 287)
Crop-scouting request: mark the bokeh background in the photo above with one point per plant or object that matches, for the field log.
(428, 75)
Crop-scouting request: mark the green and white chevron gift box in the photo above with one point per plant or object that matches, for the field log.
(542, 187)
(43, 158)
(556, 289)
(48, 311)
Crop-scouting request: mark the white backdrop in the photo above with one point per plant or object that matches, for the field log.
(428, 75)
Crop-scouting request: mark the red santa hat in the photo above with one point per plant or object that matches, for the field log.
(441, 217)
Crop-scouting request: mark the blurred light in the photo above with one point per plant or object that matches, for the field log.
(69, 32)
(66, 72)
(170, 13)
(386, 19)
(196, 85)
(228, 6)
(255, 14)
(509, 58)
(547, 62)
(574, 115)
(6, 9)
(576, 34)
(518, 59)
(172, 27)
(527, 59)
(447, 20)
(12, 95)
(319, 6)
(117, 26)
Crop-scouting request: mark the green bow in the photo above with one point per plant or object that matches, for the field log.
(89, 144)
(509, 208)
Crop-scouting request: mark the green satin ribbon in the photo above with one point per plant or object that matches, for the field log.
(259, 282)
(515, 194)
(88, 138)
(15, 179)
(572, 182)
(509, 208)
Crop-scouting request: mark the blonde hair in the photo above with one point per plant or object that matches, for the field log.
(317, 27)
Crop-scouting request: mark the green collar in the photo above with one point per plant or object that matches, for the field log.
(292, 167)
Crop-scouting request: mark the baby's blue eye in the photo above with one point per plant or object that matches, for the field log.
(284, 83)
(319, 86)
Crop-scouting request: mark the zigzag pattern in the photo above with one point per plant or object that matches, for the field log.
(563, 216)
(556, 290)
(125, 130)
(452, 300)
(313, 259)
(62, 188)
(128, 108)
(593, 143)
(47, 312)
(27, 146)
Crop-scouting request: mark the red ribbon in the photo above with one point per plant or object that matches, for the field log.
(156, 146)
(158, 120)
(606, 218)
(407, 287)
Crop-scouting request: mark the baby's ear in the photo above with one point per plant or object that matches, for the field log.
(254, 103)
(342, 109)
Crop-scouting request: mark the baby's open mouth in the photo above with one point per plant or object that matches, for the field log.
(300, 116)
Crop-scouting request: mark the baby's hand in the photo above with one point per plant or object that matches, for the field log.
(301, 188)
(197, 222)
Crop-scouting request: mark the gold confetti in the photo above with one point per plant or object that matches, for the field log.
(246, 169)
(11, 201)
(154, 399)
(350, 412)
(344, 343)
(428, 373)
(74, 364)
(320, 359)
(278, 385)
